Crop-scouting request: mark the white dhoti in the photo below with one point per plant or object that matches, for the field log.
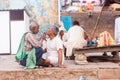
(75, 39)
(75, 44)
(53, 57)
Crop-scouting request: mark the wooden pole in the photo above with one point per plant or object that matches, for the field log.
(97, 22)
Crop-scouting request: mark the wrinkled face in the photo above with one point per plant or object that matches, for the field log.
(50, 31)
(35, 29)
(44, 36)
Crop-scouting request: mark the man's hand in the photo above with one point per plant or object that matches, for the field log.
(43, 36)
(45, 50)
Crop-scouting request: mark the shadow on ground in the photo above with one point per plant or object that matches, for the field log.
(102, 59)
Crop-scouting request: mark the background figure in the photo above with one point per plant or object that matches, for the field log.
(62, 35)
(62, 32)
(89, 8)
(117, 29)
(75, 38)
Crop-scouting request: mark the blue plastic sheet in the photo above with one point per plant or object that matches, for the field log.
(67, 21)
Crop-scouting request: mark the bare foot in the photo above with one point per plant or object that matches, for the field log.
(50, 66)
(17, 61)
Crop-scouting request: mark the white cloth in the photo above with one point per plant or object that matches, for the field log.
(117, 30)
(52, 47)
(75, 39)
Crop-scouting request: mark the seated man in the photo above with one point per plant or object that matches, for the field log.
(54, 55)
(75, 38)
(30, 51)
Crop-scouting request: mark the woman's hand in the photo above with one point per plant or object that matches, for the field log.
(62, 66)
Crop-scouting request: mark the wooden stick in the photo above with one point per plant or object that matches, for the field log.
(97, 22)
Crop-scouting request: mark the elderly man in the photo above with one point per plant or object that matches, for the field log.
(30, 51)
(54, 55)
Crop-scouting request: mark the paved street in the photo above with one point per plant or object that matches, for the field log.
(7, 62)
(96, 70)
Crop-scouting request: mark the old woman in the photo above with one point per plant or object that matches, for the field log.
(54, 55)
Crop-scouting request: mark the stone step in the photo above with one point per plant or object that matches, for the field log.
(62, 74)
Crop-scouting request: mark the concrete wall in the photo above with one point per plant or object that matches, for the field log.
(106, 22)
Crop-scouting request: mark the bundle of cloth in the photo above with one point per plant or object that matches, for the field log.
(105, 39)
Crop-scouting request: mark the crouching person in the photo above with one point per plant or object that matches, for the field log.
(30, 52)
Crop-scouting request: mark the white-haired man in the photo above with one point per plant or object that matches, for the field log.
(32, 44)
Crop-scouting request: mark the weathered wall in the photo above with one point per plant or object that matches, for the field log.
(106, 22)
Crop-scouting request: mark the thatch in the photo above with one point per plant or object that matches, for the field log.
(106, 21)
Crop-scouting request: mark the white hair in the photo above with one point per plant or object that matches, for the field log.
(33, 24)
(55, 29)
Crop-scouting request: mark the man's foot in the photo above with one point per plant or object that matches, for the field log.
(70, 57)
(50, 66)
(41, 62)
